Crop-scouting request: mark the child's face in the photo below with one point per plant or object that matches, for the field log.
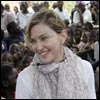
(16, 53)
(73, 28)
(28, 61)
(85, 38)
(77, 35)
(7, 59)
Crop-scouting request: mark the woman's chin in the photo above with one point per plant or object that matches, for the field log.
(46, 61)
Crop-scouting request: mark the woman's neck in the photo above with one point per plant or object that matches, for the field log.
(60, 56)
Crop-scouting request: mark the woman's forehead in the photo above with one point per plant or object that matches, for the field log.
(41, 29)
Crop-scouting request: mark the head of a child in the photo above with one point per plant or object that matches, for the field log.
(6, 58)
(15, 51)
(78, 35)
(8, 80)
(88, 26)
(13, 29)
(85, 37)
(27, 59)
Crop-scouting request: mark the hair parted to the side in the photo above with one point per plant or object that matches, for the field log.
(47, 17)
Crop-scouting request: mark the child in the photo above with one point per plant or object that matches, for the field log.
(8, 81)
(15, 34)
(16, 53)
(25, 62)
(7, 58)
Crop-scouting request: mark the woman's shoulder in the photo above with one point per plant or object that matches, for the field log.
(28, 72)
(87, 69)
(87, 65)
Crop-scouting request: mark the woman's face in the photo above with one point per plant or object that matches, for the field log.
(47, 43)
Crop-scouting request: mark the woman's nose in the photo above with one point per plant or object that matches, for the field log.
(39, 46)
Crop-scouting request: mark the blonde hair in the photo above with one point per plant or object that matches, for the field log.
(47, 17)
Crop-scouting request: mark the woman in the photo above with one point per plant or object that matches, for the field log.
(55, 73)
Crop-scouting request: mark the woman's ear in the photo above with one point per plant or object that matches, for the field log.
(63, 36)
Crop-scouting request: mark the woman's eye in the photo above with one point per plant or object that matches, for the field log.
(44, 38)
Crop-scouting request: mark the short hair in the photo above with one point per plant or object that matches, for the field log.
(89, 25)
(11, 27)
(24, 3)
(47, 17)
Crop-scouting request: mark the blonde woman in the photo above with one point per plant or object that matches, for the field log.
(55, 72)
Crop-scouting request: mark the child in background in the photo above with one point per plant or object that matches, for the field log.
(15, 34)
(16, 53)
(7, 58)
(8, 81)
(25, 62)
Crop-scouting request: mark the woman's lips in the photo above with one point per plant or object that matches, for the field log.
(43, 54)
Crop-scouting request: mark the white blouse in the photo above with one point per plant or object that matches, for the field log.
(24, 87)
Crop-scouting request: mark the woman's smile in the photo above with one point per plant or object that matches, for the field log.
(44, 54)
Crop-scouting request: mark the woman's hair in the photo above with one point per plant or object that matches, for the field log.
(47, 17)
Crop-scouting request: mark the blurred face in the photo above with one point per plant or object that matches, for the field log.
(7, 8)
(60, 4)
(77, 35)
(16, 53)
(85, 38)
(27, 61)
(15, 9)
(73, 27)
(36, 7)
(55, 5)
(46, 43)
(82, 7)
(46, 4)
(23, 7)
